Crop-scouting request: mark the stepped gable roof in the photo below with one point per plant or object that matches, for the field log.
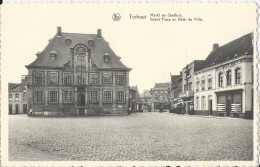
(231, 50)
(16, 87)
(58, 44)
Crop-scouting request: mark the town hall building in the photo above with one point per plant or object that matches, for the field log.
(77, 74)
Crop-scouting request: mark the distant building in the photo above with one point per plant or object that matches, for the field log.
(146, 99)
(187, 94)
(224, 86)
(18, 101)
(161, 97)
(135, 101)
(176, 90)
(78, 74)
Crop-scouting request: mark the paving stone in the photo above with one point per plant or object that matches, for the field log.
(141, 136)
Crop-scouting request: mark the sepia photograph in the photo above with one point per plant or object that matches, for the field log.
(129, 84)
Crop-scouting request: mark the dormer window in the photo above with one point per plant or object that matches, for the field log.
(68, 41)
(106, 58)
(91, 43)
(53, 55)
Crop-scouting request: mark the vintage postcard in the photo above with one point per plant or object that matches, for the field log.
(129, 84)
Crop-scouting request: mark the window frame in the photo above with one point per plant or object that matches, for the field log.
(34, 96)
(229, 78)
(203, 83)
(53, 102)
(65, 78)
(121, 79)
(105, 101)
(92, 100)
(91, 77)
(68, 91)
(122, 96)
(40, 77)
(220, 79)
(105, 78)
(24, 96)
(50, 79)
(209, 82)
(238, 79)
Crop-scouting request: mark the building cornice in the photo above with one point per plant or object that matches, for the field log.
(224, 63)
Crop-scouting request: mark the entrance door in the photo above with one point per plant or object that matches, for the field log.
(24, 108)
(210, 107)
(10, 108)
(81, 100)
(16, 109)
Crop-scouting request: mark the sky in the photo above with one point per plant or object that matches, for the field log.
(153, 49)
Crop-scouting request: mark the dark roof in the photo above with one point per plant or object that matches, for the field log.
(134, 88)
(174, 82)
(16, 87)
(160, 85)
(57, 44)
(198, 65)
(231, 50)
(11, 85)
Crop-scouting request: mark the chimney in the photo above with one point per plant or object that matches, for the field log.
(58, 31)
(99, 33)
(215, 46)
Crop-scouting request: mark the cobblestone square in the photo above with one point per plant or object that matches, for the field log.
(140, 136)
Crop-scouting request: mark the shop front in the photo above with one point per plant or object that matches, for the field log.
(229, 103)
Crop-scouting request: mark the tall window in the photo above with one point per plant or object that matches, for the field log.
(209, 82)
(185, 87)
(94, 96)
(107, 79)
(93, 79)
(107, 96)
(81, 78)
(16, 96)
(120, 97)
(38, 78)
(10, 97)
(121, 79)
(220, 79)
(38, 96)
(203, 103)
(203, 83)
(67, 78)
(24, 96)
(53, 96)
(81, 56)
(229, 77)
(81, 62)
(197, 103)
(197, 85)
(53, 78)
(67, 96)
(190, 86)
(238, 75)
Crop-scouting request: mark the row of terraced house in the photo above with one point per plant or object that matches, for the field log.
(220, 85)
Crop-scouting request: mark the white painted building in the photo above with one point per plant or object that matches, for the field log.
(224, 86)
